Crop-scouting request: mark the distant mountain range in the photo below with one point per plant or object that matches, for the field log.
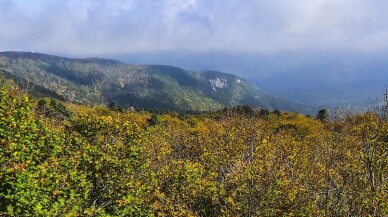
(166, 88)
(323, 79)
(356, 85)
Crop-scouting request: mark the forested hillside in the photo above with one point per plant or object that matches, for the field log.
(61, 159)
(95, 81)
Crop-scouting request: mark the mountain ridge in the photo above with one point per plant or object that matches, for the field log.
(162, 87)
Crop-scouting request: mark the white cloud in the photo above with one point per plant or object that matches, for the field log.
(95, 27)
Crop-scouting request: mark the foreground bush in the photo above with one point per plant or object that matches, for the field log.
(109, 163)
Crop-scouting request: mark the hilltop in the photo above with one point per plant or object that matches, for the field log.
(92, 81)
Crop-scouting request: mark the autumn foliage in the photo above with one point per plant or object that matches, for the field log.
(100, 162)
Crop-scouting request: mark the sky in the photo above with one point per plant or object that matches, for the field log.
(127, 27)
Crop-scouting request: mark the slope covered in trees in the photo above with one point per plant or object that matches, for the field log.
(63, 159)
(100, 81)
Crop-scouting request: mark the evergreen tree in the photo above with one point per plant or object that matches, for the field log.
(322, 115)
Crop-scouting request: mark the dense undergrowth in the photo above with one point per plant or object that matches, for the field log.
(73, 160)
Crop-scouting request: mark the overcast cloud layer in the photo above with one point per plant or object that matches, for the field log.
(110, 27)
